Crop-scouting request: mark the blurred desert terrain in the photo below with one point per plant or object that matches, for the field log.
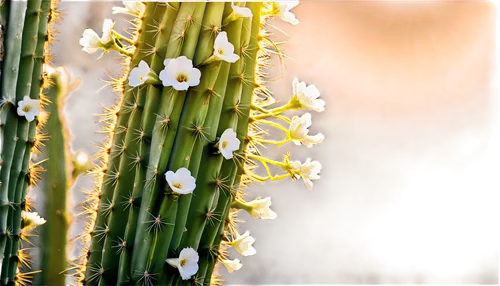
(409, 188)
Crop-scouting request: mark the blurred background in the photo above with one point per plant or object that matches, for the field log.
(409, 187)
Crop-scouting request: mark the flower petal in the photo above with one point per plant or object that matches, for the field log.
(174, 262)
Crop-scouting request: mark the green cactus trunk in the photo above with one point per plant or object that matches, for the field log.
(25, 32)
(139, 221)
(58, 178)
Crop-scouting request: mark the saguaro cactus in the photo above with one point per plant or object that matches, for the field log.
(183, 142)
(26, 33)
(61, 169)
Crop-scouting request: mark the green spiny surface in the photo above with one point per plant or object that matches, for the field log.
(24, 40)
(140, 222)
(57, 181)
(245, 82)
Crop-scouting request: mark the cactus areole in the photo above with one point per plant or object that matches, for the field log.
(183, 141)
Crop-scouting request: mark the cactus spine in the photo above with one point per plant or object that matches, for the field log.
(169, 180)
(26, 33)
(60, 172)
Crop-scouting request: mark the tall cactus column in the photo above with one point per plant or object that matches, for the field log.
(62, 168)
(25, 27)
(169, 177)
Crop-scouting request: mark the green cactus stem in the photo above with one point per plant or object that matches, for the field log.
(25, 32)
(170, 126)
(61, 170)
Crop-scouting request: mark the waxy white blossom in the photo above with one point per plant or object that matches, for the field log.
(243, 244)
(181, 182)
(308, 171)
(187, 263)
(107, 26)
(139, 74)
(228, 143)
(260, 209)
(232, 265)
(223, 49)
(299, 131)
(282, 9)
(28, 108)
(308, 96)
(241, 12)
(31, 219)
(180, 73)
(133, 7)
(91, 41)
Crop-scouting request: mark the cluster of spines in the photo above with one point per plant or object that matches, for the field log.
(154, 129)
(27, 29)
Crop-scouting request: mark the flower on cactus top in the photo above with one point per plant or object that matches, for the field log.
(232, 265)
(28, 108)
(181, 181)
(223, 49)
(228, 143)
(133, 8)
(299, 129)
(241, 12)
(260, 208)
(31, 219)
(180, 73)
(282, 10)
(91, 42)
(187, 263)
(243, 244)
(307, 96)
(139, 74)
(307, 171)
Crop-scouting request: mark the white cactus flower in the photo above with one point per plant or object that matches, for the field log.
(133, 8)
(228, 143)
(31, 219)
(181, 182)
(223, 49)
(28, 108)
(107, 26)
(180, 73)
(284, 13)
(260, 209)
(232, 265)
(299, 129)
(139, 74)
(187, 263)
(308, 96)
(241, 12)
(308, 171)
(91, 42)
(243, 244)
